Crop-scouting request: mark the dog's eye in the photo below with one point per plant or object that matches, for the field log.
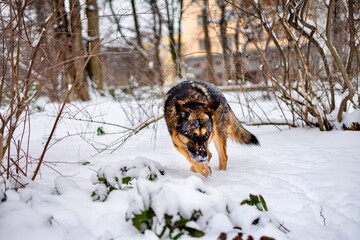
(184, 115)
(206, 135)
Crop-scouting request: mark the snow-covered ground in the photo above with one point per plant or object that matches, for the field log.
(309, 179)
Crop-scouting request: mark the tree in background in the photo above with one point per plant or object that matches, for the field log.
(69, 49)
(155, 39)
(226, 49)
(317, 59)
(42, 52)
(210, 73)
(144, 40)
(94, 67)
(77, 74)
(174, 9)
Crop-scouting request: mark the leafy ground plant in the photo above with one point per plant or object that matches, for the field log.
(172, 229)
(172, 208)
(123, 175)
(257, 201)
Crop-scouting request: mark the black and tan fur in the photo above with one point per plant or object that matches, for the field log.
(197, 113)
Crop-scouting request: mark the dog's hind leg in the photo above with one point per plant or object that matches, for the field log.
(220, 144)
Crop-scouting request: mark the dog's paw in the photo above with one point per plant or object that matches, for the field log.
(204, 170)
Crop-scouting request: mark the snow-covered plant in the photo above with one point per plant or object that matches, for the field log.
(123, 175)
(171, 208)
(173, 229)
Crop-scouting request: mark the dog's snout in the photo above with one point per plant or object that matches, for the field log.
(200, 159)
(201, 155)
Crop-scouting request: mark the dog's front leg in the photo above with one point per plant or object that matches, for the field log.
(201, 168)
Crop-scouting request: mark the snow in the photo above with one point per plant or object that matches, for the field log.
(91, 7)
(38, 37)
(309, 179)
(351, 117)
(151, 65)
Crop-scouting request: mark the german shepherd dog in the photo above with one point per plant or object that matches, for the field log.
(197, 113)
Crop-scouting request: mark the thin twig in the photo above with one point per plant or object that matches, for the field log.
(283, 228)
(95, 121)
(322, 215)
(272, 124)
(52, 132)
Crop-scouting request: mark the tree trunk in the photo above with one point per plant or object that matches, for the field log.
(239, 71)
(181, 2)
(224, 40)
(210, 74)
(62, 39)
(1, 148)
(93, 45)
(157, 29)
(352, 38)
(338, 32)
(136, 23)
(78, 62)
(50, 48)
(175, 56)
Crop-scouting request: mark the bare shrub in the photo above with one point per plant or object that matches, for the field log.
(313, 58)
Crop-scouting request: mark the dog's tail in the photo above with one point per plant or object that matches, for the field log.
(237, 132)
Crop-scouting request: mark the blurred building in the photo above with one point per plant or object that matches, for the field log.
(248, 45)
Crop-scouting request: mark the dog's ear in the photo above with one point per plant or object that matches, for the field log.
(212, 106)
(181, 110)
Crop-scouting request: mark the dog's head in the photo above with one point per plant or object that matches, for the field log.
(195, 126)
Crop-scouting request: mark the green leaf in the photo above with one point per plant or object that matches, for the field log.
(138, 219)
(100, 131)
(254, 199)
(102, 180)
(126, 180)
(112, 188)
(263, 203)
(168, 225)
(152, 177)
(193, 232)
(144, 220)
(247, 202)
(257, 201)
(177, 236)
(181, 223)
